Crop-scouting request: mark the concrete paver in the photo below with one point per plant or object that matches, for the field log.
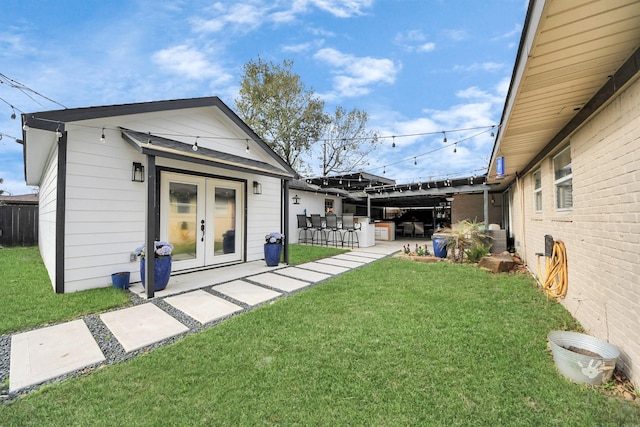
(141, 325)
(302, 274)
(47, 353)
(203, 306)
(323, 268)
(246, 292)
(340, 262)
(278, 281)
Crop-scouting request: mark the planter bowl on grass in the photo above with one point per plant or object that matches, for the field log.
(583, 358)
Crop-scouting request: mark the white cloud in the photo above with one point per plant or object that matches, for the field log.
(190, 63)
(354, 75)
(414, 41)
(341, 8)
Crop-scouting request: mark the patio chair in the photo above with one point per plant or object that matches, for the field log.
(303, 227)
(418, 229)
(317, 227)
(349, 226)
(332, 230)
(407, 229)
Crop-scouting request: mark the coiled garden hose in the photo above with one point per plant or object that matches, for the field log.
(557, 275)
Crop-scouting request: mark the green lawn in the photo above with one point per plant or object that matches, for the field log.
(394, 343)
(28, 298)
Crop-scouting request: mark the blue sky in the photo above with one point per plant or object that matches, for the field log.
(417, 67)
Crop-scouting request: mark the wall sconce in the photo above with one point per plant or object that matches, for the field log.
(296, 200)
(257, 187)
(137, 172)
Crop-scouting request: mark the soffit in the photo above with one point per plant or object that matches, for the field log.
(573, 51)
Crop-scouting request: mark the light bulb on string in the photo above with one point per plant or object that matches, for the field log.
(247, 149)
(455, 147)
(445, 136)
(13, 113)
(102, 138)
(194, 147)
(384, 170)
(393, 144)
(58, 133)
(415, 162)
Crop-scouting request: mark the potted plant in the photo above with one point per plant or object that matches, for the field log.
(273, 248)
(162, 264)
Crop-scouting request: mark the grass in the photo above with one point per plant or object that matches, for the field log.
(299, 254)
(28, 299)
(393, 343)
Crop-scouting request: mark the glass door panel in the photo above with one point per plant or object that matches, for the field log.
(183, 221)
(225, 221)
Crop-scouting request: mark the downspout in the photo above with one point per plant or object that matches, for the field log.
(285, 218)
(486, 208)
(522, 227)
(150, 228)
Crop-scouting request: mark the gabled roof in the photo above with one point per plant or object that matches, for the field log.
(574, 57)
(55, 120)
(20, 199)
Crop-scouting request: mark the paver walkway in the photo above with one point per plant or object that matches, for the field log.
(54, 352)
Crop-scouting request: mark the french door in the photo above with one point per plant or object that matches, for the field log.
(202, 218)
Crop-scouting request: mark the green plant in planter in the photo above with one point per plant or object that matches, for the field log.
(466, 236)
(477, 252)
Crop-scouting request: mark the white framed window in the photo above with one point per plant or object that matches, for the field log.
(563, 181)
(537, 190)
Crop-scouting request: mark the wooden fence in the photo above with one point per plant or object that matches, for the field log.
(18, 225)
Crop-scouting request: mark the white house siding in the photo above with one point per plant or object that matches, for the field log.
(47, 216)
(105, 210)
(602, 231)
(312, 203)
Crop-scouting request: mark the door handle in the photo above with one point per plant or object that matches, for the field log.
(202, 229)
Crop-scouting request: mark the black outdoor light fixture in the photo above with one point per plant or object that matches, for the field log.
(296, 200)
(257, 187)
(137, 172)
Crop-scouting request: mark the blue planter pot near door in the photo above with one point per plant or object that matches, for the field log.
(272, 253)
(161, 273)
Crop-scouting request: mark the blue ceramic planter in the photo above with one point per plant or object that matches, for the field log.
(120, 280)
(161, 273)
(272, 253)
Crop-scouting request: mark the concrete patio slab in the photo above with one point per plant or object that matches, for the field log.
(364, 255)
(180, 283)
(142, 325)
(203, 306)
(323, 268)
(278, 281)
(47, 353)
(302, 274)
(246, 292)
(340, 262)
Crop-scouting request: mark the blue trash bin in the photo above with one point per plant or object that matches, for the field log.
(440, 247)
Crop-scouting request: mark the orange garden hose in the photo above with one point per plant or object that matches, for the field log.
(557, 275)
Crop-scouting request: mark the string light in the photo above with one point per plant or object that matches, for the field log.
(393, 144)
(58, 133)
(194, 147)
(455, 147)
(415, 162)
(102, 138)
(445, 136)
(247, 149)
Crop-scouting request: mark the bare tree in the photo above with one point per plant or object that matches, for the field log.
(347, 142)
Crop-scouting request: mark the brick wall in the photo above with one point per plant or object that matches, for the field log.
(601, 232)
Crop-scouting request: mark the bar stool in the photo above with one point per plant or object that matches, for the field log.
(349, 227)
(332, 230)
(303, 227)
(316, 225)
